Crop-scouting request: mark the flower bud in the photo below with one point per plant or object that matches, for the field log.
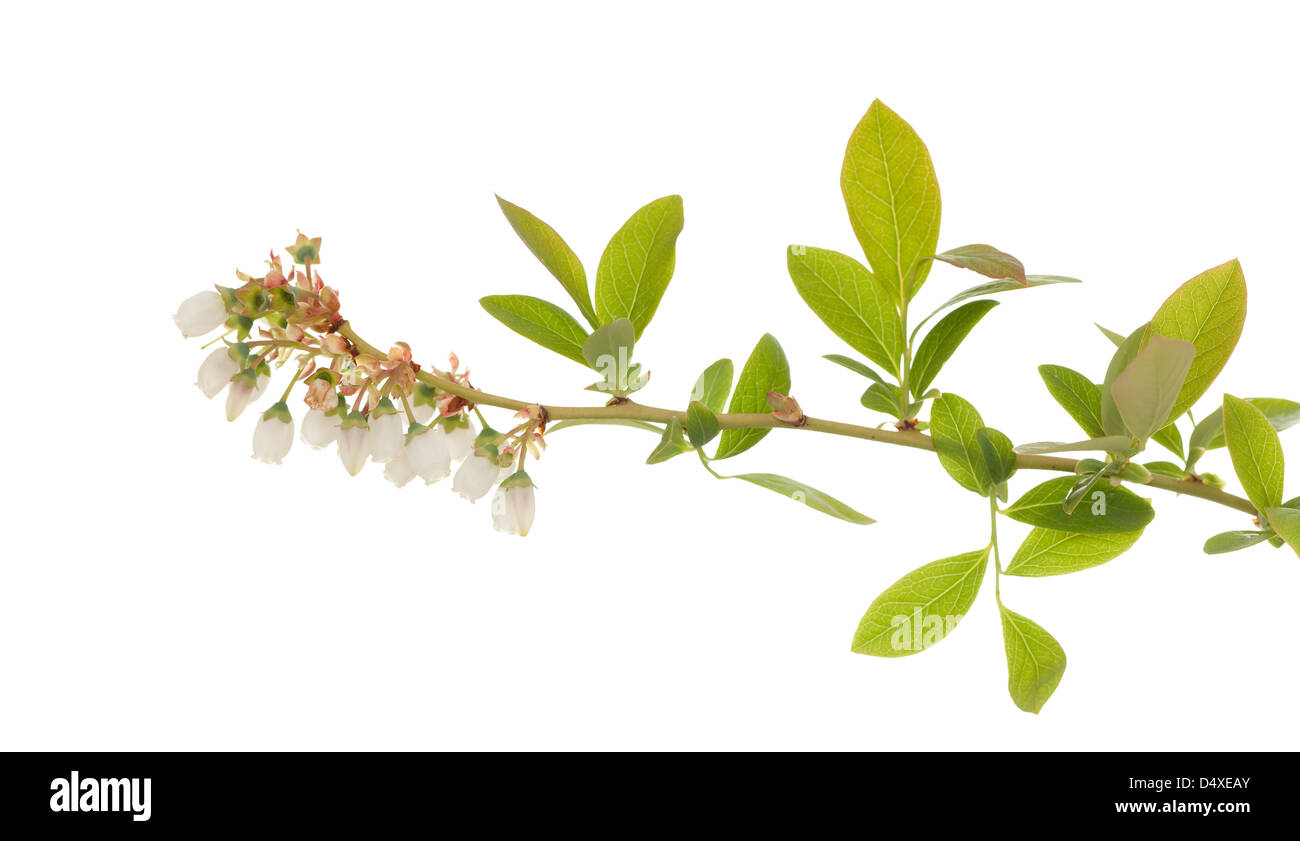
(426, 452)
(199, 314)
(514, 505)
(385, 432)
(319, 430)
(354, 442)
(273, 435)
(245, 387)
(216, 371)
(476, 476)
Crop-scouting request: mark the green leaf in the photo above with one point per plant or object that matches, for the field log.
(1035, 661)
(1208, 434)
(954, 425)
(554, 253)
(1286, 522)
(892, 195)
(848, 300)
(999, 457)
(765, 370)
(541, 321)
(638, 263)
(608, 351)
(1208, 311)
(993, 287)
(1077, 394)
(714, 385)
(855, 366)
(942, 340)
(1145, 392)
(1171, 439)
(986, 260)
(1231, 541)
(1051, 552)
(1105, 510)
(1106, 443)
(1116, 339)
(1112, 422)
(1255, 450)
(701, 424)
(882, 397)
(1166, 468)
(806, 494)
(922, 607)
(672, 444)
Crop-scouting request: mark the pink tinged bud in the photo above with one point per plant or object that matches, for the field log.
(354, 445)
(242, 393)
(399, 471)
(426, 452)
(460, 440)
(216, 371)
(273, 435)
(199, 314)
(319, 430)
(476, 477)
(513, 508)
(386, 437)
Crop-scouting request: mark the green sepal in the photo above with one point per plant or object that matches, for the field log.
(425, 395)
(340, 408)
(354, 420)
(242, 325)
(332, 377)
(518, 479)
(279, 411)
(282, 299)
(384, 407)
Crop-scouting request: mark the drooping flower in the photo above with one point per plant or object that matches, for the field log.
(217, 369)
(514, 505)
(319, 430)
(385, 432)
(426, 452)
(245, 387)
(399, 471)
(460, 432)
(199, 314)
(477, 475)
(354, 442)
(273, 435)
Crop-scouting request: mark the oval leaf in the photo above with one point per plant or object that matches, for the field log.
(541, 321)
(1208, 434)
(1149, 386)
(1255, 450)
(554, 253)
(999, 456)
(1231, 541)
(1103, 510)
(943, 340)
(1077, 394)
(848, 300)
(1035, 661)
(765, 370)
(892, 196)
(986, 260)
(1051, 552)
(701, 424)
(714, 385)
(638, 263)
(921, 608)
(954, 424)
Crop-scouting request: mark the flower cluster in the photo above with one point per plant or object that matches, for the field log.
(372, 407)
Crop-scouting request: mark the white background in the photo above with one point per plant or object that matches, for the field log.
(161, 590)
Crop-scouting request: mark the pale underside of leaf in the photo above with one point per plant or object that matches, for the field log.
(945, 589)
(1035, 661)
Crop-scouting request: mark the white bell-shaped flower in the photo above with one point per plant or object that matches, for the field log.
(216, 371)
(319, 430)
(385, 432)
(399, 471)
(476, 476)
(273, 435)
(199, 314)
(426, 452)
(514, 505)
(460, 433)
(354, 442)
(245, 387)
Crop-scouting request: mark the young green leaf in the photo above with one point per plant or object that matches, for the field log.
(610, 345)
(1255, 450)
(1208, 434)
(554, 253)
(883, 397)
(808, 495)
(1035, 661)
(1166, 468)
(999, 457)
(892, 196)
(954, 425)
(995, 286)
(714, 385)
(1146, 390)
(1116, 339)
(986, 260)
(701, 424)
(848, 300)
(672, 444)
(1286, 522)
(921, 608)
(1112, 422)
(638, 263)
(1051, 552)
(1077, 394)
(1170, 438)
(1106, 443)
(1231, 541)
(1209, 311)
(943, 340)
(765, 370)
(1105, 510)
(541, 321)
(855, 366)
